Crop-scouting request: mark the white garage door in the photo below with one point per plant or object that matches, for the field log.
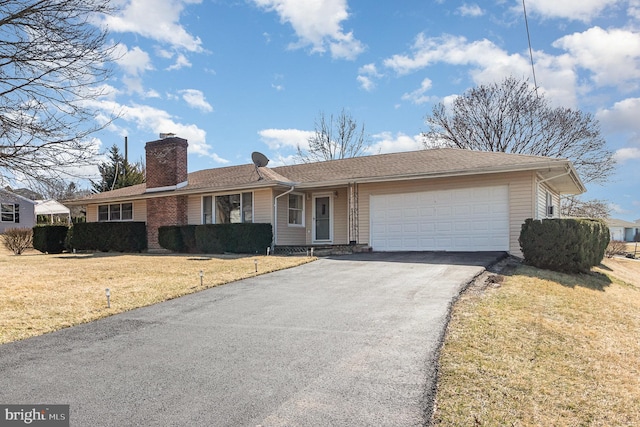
(470, 219)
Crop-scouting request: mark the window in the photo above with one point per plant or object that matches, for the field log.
(296, 209)
(227, 209)
(115, 212)
(207, 210)
(549, 209)
(9, 212)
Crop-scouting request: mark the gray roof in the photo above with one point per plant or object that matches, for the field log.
(432, 163)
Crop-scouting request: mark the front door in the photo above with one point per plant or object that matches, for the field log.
(322, 219)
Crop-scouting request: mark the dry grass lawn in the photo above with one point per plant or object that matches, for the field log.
(43, 293)
(545, 349)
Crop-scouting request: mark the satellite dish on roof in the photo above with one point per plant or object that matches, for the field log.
(259, 159)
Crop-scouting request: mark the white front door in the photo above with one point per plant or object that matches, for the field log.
(322, 219)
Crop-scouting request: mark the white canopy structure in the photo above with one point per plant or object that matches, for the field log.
(53, 209)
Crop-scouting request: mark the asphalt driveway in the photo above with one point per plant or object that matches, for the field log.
(344, 341)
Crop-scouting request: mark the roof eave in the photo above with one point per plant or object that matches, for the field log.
(558, 165)
(185, 191)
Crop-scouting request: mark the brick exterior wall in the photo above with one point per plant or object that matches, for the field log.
(171, 210)
(166, 162)
(166, 167)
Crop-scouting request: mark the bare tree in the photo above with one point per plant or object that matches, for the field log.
(510, 117)
(576, 207)
(337, 138)
(53, 60)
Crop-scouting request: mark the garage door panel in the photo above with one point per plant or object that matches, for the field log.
(454, 220)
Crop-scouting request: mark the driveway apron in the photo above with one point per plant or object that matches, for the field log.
(343, 341)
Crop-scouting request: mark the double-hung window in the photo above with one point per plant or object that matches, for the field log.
(227, 209)
(9, 212)
(296, 209)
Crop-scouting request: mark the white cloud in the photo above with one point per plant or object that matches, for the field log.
(582, 10)
(613, 56)
(387, 142)
(366, 83)
(317, 24)
(367, 75)
(285, 138)
(419, 96)
(470, 10)
(133, 61)
(155, 121)
(195, 99)
(157, 20)
(623, 116)
(625, 154)
(618, 209)
(488, 63)
(181, 62)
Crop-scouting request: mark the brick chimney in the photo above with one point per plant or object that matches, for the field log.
(166, 171)
(166, 162)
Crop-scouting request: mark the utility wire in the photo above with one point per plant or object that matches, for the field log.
(533, 70)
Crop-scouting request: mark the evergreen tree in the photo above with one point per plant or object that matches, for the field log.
(118, 173)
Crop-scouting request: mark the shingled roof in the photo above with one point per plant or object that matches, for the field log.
(440, 162)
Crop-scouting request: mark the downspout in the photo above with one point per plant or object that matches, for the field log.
(545, 180)
(275, 216)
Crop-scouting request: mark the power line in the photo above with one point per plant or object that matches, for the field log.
(533, 70)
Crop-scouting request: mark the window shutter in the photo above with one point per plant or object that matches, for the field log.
(16, 210)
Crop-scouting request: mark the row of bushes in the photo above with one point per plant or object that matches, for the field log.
(93, 236)
(567, 245)
(132, 237)
(216, 238)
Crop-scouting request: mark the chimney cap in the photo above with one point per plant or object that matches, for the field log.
(167, 135)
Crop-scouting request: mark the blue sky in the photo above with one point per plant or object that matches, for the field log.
(237, 76)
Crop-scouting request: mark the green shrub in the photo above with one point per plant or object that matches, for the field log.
(568, 245)
(178, 238)
(110, 236)
(236, 238)
(17, 240)
(50, 238)
(170, 237)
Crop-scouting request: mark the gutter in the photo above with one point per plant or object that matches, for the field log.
(275, 210)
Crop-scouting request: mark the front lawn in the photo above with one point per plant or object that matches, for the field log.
(545, 349)
(42, 293)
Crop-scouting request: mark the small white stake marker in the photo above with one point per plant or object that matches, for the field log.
(108, 292)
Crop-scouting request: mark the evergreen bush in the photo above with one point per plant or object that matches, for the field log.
(568, 245)
(110, 236)
(50, 239)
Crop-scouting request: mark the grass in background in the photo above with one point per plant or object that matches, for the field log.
(545, 349)
(43, 293)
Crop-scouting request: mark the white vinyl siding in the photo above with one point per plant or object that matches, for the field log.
(547, 197)
(521, 198)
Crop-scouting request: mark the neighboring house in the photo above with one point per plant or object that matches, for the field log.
(16, 211)
(432, 200)
(623, 231)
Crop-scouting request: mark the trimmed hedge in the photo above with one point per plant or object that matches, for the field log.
(216, 238)
(567, 245)
(178, 238)
(50, 238)
(109, 236)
